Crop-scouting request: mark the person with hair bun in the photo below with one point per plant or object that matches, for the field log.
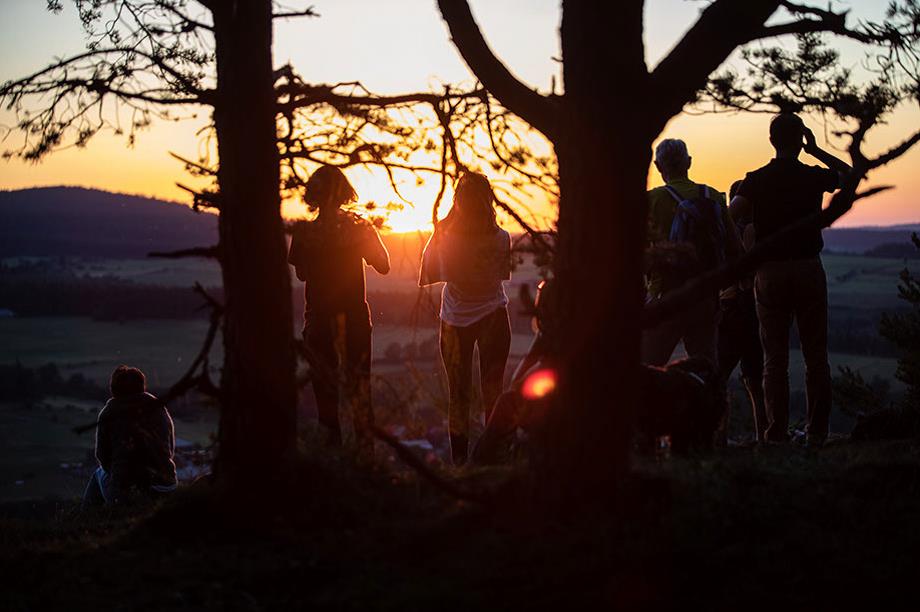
(329, 255)
(471, 254)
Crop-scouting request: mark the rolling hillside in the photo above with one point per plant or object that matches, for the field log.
(72, 221)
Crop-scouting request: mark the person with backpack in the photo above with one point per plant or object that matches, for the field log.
(329, 254)
(689, 232)
(471, 254)
(792, 284)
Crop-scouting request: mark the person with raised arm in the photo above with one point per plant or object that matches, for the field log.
(792, 283)
(329, 255)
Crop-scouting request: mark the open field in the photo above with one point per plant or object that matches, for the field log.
(41, 456)
(36, 442)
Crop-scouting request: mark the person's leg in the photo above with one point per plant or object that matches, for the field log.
(494, 340)
(496, 437)
(93, 495)
(358, 349)
(728, 351)
(811, 315)
(457, 356)
(700, 329)
(319, 340)
(659, 342)
(775, 321)
(752, 363)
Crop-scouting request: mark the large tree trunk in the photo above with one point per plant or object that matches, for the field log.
(258, 422)
(603, 150)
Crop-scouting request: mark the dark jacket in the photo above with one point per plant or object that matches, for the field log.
(135, 443)
(329, 257)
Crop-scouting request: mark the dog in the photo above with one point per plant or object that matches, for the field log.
(685, 401)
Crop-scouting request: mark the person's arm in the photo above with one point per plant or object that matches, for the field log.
(534, 355)
(654, 233)
(504, 271)
(295, 255)
(832, 162)
(103, 441)
(431, 270)
(739, 209)
(376, 252)
(733, 245)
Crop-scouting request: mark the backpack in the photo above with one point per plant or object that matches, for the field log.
(698, 221)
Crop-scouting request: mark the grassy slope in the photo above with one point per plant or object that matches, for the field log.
(742, 529)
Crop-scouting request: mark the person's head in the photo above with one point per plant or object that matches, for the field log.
(733, 190)
(786, 134)
(672, 159)
(328, 190)
(472, 208)
(127, 381)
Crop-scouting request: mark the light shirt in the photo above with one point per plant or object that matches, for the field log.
(472, 268)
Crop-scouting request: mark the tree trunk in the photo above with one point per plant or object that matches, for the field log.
(258, 423)
(603, 152)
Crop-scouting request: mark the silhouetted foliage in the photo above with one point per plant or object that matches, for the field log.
(603, 166)
(19, 383)
(894, 250)
(904, 331)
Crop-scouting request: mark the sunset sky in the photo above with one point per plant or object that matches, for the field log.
(402, 45)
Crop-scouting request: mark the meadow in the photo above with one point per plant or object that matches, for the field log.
(37, 442)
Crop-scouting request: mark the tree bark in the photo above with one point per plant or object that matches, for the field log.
(603, 150)
(258, 425)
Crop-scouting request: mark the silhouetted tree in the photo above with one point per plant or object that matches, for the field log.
(903, 330)
(602, 127)
(159, 58)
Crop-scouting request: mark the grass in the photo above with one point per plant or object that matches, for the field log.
(864, 283)
(40, 455)
(740, 529)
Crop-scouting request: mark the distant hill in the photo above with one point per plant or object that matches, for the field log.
(862, 239)
(73, 221)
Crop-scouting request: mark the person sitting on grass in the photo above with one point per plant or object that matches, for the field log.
(135, 443)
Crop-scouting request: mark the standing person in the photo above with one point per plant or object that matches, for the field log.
(739, 331)
(472, 255)
(328, 254)
(792, 283)
(135, 443)
(690, 216)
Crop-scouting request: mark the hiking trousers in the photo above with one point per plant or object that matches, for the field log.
(739, 342)
(338, 350)
(492, 334)
(787, 290)
(696, 326)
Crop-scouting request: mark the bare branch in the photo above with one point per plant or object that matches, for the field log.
(536, 109)
(722, 27)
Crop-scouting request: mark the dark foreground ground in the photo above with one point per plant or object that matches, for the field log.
(740, 530)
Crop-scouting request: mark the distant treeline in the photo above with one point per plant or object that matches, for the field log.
(21, 384)
(104, 298)
(46, 292)
(894, 250)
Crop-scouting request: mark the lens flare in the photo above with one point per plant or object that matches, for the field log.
(539, 384)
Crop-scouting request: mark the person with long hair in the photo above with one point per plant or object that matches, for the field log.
(329, 254)
(471, 254)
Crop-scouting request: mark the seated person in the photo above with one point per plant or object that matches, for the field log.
(682, 401)
(135, 442)
(526, 402)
